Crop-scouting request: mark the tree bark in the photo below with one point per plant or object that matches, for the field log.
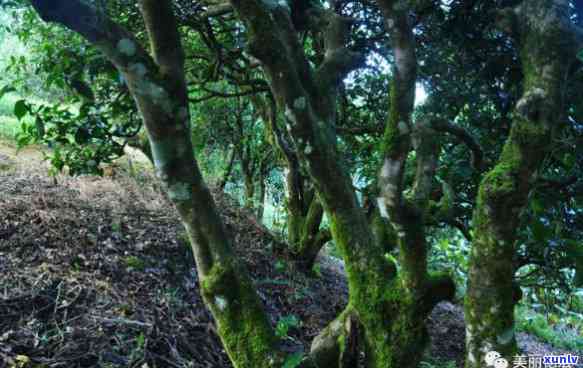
(548, 43)
(228, 169)
(304, 210)
(159, 89)
(387, 313)
(263, 172)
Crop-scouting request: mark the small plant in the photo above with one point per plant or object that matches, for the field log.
(548, 329)
(285, 324)
(280, 266)
(116, 226)
(294, 360)
(317, 270)
(136, 263)
(141, 341)
(432, 363)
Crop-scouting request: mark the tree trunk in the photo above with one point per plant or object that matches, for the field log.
(228, 169)
(262, 193)
(548, 43)
(304, 211)
(159, 89)
(391, 318)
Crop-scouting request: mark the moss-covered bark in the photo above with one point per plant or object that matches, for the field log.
(158, 86)
(389, 315)
(546, 42)
(304, 210)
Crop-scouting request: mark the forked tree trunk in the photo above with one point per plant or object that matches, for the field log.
(548, 43)
(304, 209)
(388, 316)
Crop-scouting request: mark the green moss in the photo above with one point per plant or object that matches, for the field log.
(4, 166)
(242, 324)
(393, 143)
(136, 263)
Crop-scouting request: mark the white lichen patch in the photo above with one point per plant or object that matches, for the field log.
(390, 169)
(403, 127)
(383, 207)
(530, 101)
(472, 359)
(156, 91)
(390, 194)
(179, 191)
(300, 103)
(160, 173)
(506, 336)
(283, 4)
(221, 302)
(159, 95)
(138, 69)
(126, 47)
(289, 114)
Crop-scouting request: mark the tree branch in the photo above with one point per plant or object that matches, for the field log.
(338, 60)
(464, 136)
(217, 10)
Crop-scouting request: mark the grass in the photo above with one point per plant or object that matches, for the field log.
(431, 362)
(562, 332)
(7, 104)
(9, 126)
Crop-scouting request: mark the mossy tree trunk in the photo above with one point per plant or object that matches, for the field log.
(304, 217)
(548, 44)
(264, 169)
(229, 169)
(387, 314)
(158, 86)
(304, 210)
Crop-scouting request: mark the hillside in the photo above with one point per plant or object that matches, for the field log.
(96, 273)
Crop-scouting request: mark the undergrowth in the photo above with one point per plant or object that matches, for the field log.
(562, 331)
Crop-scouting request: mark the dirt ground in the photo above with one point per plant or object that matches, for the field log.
(96, 272)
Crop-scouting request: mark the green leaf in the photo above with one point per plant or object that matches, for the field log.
(537, 206)
(6, 89)
(580, 55)
(20, 109)
(539, 231)
(293, 360)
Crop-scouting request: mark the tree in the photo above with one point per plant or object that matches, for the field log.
(158, 86)
(384, 305)
(548, 42)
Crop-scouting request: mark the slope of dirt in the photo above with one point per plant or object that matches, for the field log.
(96, 272)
